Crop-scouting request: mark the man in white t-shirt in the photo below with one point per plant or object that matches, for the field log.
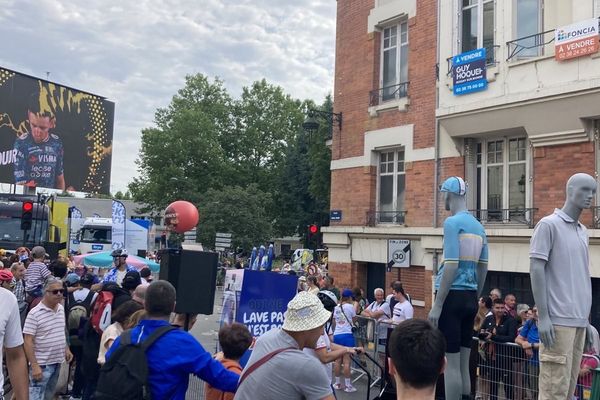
(379, 310)
(403, 310)
(11, 340)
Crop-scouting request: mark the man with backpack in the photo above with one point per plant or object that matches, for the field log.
(161, 355)
(79, 307)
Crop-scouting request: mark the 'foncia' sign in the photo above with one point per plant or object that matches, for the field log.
(576, 40)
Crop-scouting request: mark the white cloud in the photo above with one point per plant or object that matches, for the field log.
(138, 53)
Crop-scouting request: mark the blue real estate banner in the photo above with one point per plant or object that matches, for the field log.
(469, 72)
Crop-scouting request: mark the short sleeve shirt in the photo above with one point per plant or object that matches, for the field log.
(10, 326)
(47, 327)
(298, 375)
(35, 275)
(343, 315)
(403, 311)
(322, 343)
(465, 242)
(38, 163)
(563, 243)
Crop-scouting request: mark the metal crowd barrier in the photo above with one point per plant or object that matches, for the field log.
(195, 389)
(504, 371)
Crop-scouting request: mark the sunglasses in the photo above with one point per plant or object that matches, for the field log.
(56, 291)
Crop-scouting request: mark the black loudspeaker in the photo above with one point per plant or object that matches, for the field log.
(194, 275)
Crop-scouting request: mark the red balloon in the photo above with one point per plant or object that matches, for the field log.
(181, 216)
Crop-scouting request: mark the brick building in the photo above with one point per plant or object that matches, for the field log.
(404, 131)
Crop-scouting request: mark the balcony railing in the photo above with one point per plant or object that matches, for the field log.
(385, 217)
(517, 216)
(596, 217)
(491, 58)
(529, 46)
(388, 93)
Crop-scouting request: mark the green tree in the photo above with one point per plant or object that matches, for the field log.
(182, 156)
(243, 212)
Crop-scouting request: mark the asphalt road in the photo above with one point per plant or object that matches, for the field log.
(206, 332)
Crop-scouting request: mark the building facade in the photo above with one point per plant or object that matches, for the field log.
(516, 135)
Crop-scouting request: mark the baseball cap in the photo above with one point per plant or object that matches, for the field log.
(72, 278)
(87, 279)
(347, 293)
(38, 252)
(454, 184)
(131, 280)
(145, 272)
(5, 275)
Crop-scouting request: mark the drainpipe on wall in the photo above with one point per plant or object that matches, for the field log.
(436, 172)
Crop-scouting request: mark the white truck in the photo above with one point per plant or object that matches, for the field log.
(94, 234)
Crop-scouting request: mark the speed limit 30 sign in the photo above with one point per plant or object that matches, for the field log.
(399, 253)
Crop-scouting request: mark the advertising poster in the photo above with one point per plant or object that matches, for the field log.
(232, 287)
(53, 136)
(264, 299)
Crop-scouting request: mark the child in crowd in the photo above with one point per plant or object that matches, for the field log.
(234, 339)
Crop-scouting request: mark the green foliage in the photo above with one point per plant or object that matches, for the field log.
(205, 144)
(243, 212)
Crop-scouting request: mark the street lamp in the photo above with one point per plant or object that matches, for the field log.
(311, 124)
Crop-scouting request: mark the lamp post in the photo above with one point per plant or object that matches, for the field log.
(311, 124)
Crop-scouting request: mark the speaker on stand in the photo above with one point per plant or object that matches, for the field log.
(194, 275)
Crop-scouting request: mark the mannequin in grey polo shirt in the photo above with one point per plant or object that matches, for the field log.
(561, 284)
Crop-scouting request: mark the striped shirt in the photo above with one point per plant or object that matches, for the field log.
(48, 329)
(35, 275)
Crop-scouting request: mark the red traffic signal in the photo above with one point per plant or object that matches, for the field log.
(27, 206)
(313, 229)
(26, 215)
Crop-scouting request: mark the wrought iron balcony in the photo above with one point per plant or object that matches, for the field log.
(388, 93)
(385, 217)
(529, 46)
(596, 217)
(517, 216)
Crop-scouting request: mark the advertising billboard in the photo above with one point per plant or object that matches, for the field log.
(54, 136)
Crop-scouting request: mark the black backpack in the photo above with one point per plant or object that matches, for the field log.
(78, 313)
(125, 374)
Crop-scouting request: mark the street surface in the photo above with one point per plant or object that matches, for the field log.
(206, 332)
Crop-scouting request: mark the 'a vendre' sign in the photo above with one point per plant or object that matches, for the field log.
(576, 40)
(469, 72)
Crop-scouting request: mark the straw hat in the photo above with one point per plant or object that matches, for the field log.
(305, 312)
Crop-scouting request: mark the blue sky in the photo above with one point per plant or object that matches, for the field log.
(138, 53)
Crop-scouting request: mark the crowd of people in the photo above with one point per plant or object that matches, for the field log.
(508, 349)
(62, 316)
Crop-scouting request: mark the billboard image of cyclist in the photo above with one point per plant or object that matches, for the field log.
(54, 136)
(38, 152)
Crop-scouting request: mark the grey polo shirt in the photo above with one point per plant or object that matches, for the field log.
(289, 375)
(563, 243)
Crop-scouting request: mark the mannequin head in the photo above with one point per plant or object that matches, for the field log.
(454, 189)
(581, 189)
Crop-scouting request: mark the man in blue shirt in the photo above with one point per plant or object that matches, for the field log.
(529, 339)
(176, 354)
(459, 282)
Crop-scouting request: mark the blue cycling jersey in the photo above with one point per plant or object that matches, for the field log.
(38, 164)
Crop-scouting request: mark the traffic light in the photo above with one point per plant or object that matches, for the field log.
(313, 229)
(313, 236)
(26, 215)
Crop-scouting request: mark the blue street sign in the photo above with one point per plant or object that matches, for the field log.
(469, 72)
(335, 215)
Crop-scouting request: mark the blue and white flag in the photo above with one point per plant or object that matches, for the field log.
(118, 225)
(76, 213)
